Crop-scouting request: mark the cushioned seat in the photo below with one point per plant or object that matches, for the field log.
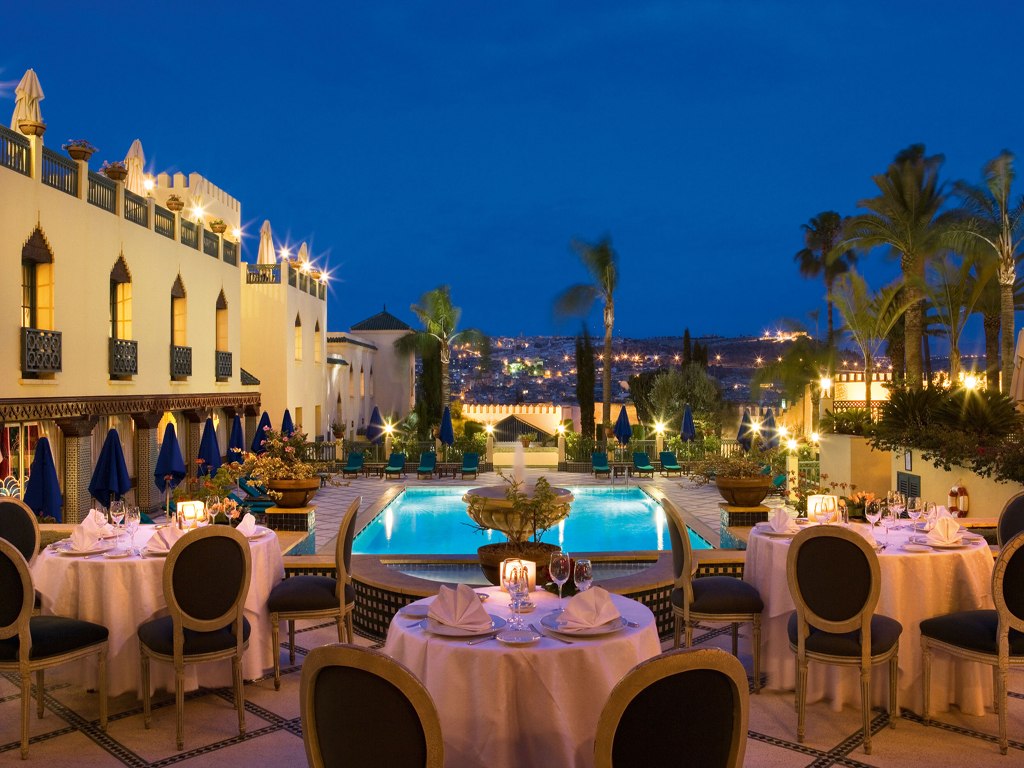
(158, 636)
(885, 633)
(307, 593)
(722, 594)
(975, 630)
(54, 635)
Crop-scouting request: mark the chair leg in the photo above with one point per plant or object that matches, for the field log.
(179, 702)
(865, 707)
(101, 673)
(801, 697)
(340, 621)
(926, 659)
(995, 689)
(735, 638)
(1001, 693)
(147, 712)
(349, 627)
(291, 641)
(688, 632)
(894, 705)
(275, 645)
(756, 626)
(236, 673)
(677, 634)
(26, 705)
(40, 690)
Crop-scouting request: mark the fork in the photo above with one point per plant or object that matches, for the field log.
(491, 636)
(548, 634)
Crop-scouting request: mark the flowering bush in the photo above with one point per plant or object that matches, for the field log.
(283, 458)
(78, 143)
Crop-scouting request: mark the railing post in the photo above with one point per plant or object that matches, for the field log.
(177, 225)
(151, 212)
(35, 144)
(119, 199)
(83, 179)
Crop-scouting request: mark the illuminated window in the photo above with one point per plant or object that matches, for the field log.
(222, 323)
(37, 283)
(298, 338)
(120, 301)
(317, 355)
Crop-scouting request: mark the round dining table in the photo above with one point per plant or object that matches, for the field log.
(513, 706)
(123, 592)
(916, 585)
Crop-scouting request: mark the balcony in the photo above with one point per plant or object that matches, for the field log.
(40, 351)
(124, 358)
(222, 365)
(181, 362)
(262, 274)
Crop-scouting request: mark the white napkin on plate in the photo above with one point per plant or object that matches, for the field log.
(85, 535)
(946, 531)
(164, 539)
(460, 608)
(781, 522)
(247, 525)
(588, 609)
(941, 512)
(97, 520)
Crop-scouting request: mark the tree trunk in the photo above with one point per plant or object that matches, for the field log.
(954, 363)
(606, 378)
(828, 303)
(926, 356)
(868, 375)
(990, 322)
(913, 271)
(446, 387)
(1007, 340)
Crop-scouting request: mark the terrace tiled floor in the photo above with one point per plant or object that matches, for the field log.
(69, 735)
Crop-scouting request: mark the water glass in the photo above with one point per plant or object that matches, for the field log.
(132, 519)
(889, 518)
(116, 512)
(913, 511)
(559, 570)
(583, 575)
(873, 512)
(518, 585)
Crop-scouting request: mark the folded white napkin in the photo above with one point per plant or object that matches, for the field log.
(247, 525)
(781, 522)
(946, 531)
(97, 520)
(460, 608)
(164, 539)
(941, 512)
(588, 609)
(88, 532)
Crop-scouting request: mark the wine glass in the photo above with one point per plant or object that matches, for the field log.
(873, 512)
(518, 586)
(559, 570)
(583, 574)
(914, 511)
(116, 512)
(132, 519)
(931, 513)
(212, 508)
(897, 503)
(889, 518)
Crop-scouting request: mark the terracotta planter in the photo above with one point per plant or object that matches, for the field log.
(80, 153)
(175, 205)
(116, 174)
(295, 493)
(491, 555)
(743, 491)
(219, 229)
(32, 128)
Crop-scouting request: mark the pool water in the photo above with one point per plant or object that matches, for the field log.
(434, 521)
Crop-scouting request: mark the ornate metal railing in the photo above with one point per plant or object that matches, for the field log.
(210, 245)
(136, 210)
(840, 406)
(256, 274)
(163, 222)
(60, 172)
(14, 151)
(222, 365)
(303, 282)
(40, 351)
(322, 451)
(102, 192)
(181, 362)
(291, 275)
(230, 253)
(124, 357)
(321, 291)
(189, 234)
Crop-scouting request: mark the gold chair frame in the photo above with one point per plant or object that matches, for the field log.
(1006, 506)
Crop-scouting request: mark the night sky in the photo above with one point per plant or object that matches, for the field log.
(421, 143)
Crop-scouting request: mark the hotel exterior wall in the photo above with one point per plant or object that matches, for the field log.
(394, 374)
(353, 410)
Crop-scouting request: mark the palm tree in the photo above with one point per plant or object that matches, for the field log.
(867, 318)
(906, 217)
(806, 360)
(821, 257)
(954, 291)
(577, 300)
(999, 223)
(440, 320)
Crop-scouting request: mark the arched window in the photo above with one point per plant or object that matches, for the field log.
(120, 301)
(362, 383)
(222, 323)
(298, 338)
(179, 314)
(317, 355)
(37, 283)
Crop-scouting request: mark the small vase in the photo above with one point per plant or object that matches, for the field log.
(175, 205)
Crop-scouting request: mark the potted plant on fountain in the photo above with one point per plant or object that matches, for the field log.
(742, 479)
(282, 468)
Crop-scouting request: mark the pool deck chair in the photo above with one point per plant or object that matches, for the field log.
(396, 465)
(470, 464)
(778, 487)
(669, 464)
(428, 463)
(353, 465)
(599, 463)
(642, 464)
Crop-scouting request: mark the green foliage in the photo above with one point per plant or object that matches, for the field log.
(640, 392)
(855, 421)
(428, 392)
(585, 379)
(672, 390)
(748, 464)
(473, 428)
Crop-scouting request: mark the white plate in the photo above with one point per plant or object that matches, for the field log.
(916, 548)
(551, 621)
(959, 544)
(517, 637)
(114, 554)
(437, 628)
(99, 549)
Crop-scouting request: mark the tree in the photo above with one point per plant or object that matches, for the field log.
(954, 291)
(820, 255)
(585, 383)
(672, 390)
(804, 364)
(640, 392)
(687, 348)
(601, 262)
(867, 318)
(905, 216)
(440, 320)
(428, 392)
(997, 221)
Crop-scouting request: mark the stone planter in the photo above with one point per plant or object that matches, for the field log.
(295, 493)
(743, 491)
(32, 128)
(80, 153)
(175, 205)
(219, 229)
(116, 174)
(491, 556)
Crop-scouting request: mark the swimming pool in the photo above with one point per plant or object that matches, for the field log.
(434, 521)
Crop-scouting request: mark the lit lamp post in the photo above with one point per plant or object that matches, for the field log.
(825, 396)
(389, 428)
(489, 429)
(560, 429)
(659, 437)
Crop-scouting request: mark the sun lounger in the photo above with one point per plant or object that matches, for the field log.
(396, 465)
(642, 464)
(428, 462)
(599, 463)
(353, 466)
(669, 464)
(470, 464)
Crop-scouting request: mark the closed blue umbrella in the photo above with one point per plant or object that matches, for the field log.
(170, 466)
(745, 436)
(286, 424)
(42, 494)
(769, 430)
(689, 430)
(623, 432)
(375, 429)
(110, 478)
(236, 442)
(209, 451)
(446, 434)
(257, 439)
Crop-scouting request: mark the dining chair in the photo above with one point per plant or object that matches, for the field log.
(838, 625)
(711, 598)
(360, 707)
(20, 526)
(1011, 519)
(685, 708)
(35, 643)
(205, 580)
(994, 637)
(316, 597)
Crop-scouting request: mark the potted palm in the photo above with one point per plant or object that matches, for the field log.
(743, 480)
(282, 468)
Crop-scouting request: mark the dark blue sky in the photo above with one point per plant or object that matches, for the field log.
(421, 143)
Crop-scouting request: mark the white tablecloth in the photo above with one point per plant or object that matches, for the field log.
(915, 586)
(511, 707)
(123, 593)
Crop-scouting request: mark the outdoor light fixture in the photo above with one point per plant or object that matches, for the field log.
(148, 184)
(489, 429)
(561, 429)
(755, 426)
(659, 427)
(783, 430)
(791, 444)
(970, 381)
(236, 233)
(826, 385)
(197, 212)
(815, 437)
(284, 253)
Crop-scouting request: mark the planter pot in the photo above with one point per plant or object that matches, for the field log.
(295, 493)
(175, 205)
(116, 174)
(491, 555)
(80, 153)
(743, 491)
(32, 128)
(219, 229)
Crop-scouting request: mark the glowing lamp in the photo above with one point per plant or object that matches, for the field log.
(659, 427)
(529, 565)
(191, 513)
(970, 381)
(815, 437)
(791, 444)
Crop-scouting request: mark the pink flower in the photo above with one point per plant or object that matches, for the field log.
(289, 449)
(266, 429)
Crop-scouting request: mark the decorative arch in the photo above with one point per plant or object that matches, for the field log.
(221, 320)
(120, 300)
(179, 313)
(37, 282)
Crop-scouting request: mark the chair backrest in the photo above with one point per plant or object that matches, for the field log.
(641, 459)
(683, 564)
(684, 708)
(355, 461)
(396, 460)
(599, 459)
(343, 547)
(668, 458)
(779, 480)
(428, 459)
(17, 597)
(1011, 519)
(361, 707)
(1008, 589)
(834, 579)
(20, 526)
(206, 580)
(470, 460)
